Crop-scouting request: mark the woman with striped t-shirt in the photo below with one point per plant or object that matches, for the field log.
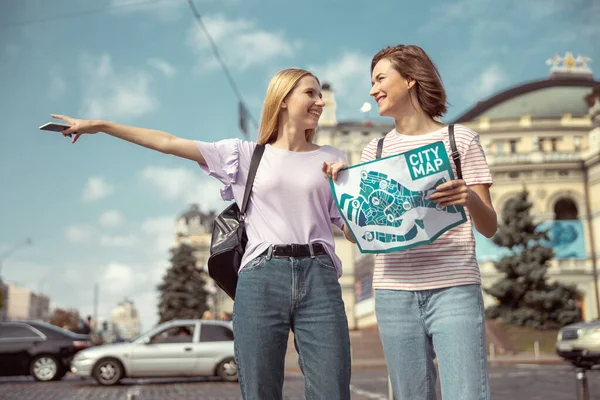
(428, 298)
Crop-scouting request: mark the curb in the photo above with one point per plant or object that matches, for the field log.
(380, 364)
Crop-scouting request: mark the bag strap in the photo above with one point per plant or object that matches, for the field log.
(455, 153)
(256, 156)
(379, 148)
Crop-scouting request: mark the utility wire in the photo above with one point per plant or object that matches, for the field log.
(244, 111)
(221, 62)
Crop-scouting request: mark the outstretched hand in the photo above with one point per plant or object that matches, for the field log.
(452, 193)
(331, 169)
(77, 127)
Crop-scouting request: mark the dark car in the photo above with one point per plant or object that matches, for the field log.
(38, 349)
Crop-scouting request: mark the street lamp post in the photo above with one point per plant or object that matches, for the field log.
(3, 289)
(4, 256)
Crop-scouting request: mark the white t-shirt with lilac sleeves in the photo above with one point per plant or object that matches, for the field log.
(291, 201)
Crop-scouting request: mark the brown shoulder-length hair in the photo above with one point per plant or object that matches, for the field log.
(412, 62)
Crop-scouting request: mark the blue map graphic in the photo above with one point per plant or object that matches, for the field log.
(383, 201)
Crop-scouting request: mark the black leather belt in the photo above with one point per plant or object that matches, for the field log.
(296, 250)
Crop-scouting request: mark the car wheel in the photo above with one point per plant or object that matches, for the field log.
(108, 371)
(44, 368)
(227, 370)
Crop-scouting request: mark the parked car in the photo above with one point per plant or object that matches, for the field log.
(580, 344)
(175, 348)
(38, 349)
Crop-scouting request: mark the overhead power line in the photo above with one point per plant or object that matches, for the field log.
(244, 113)
(243, 109)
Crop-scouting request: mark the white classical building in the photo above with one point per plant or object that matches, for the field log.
(126, 319)
(194, 227)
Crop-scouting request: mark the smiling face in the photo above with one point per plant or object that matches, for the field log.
(304, 104)
(390, 89)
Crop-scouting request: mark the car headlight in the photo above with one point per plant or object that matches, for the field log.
(79, 356)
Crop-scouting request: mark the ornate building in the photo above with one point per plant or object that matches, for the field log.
(194, 228)
(542, 135)
(126, 319)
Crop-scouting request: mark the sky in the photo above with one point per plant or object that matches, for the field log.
(103, 211)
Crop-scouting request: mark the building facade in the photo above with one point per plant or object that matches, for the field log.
(543, 136)
(22, 303)
(195, 228)
(126, 319)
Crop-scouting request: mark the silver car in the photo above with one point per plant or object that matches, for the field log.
(173, 349)
(580, 344)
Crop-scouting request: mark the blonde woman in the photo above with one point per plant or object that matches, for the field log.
(289, 278)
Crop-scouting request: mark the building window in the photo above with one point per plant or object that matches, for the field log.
(577, 143)
(513, 174)
(513, 146)
(345, 133)
(540, 145)
(565, 209)
(563, 172)
(500, 147)
(554, 142)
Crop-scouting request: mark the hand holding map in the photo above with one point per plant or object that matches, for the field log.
(387, 203)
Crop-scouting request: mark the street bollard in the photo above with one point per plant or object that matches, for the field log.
(536, 349)
(583, 390)
(492, 352)
(390, 391)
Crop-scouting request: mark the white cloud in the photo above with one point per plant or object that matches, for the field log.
(118, 241)
(111, 94)
(96, 188)
(122, 279)
(162, 66)
(484, 85)
(350, 80)
(79, 234)
(111, 219)
(241, 43)
(185, 184)
(58, 86)
(161, 231)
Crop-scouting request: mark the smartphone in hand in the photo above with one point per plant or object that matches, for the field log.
(54, 127)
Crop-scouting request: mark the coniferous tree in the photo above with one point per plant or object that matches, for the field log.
(183, 293)
(524, 296)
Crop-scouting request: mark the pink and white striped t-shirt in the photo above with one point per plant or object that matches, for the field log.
(450, 260)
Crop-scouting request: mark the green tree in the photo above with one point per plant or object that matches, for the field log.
(524, 296)
(183, 293)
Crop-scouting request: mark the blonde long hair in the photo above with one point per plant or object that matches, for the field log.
(280, 86)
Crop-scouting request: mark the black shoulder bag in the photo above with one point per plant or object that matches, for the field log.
(455, 154)
(229, 239)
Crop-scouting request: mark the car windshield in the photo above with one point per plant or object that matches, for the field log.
(133, 339)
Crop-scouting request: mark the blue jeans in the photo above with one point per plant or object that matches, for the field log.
(447, 324)
(304, 295)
